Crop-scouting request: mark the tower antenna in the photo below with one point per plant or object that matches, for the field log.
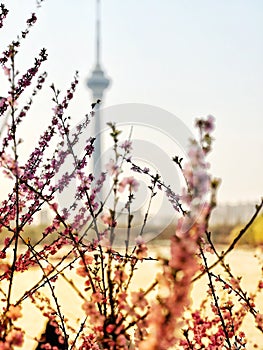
(98, 83)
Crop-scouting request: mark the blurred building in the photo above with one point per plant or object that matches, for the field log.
(232, 214)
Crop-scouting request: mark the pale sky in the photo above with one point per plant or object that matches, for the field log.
(191, 58)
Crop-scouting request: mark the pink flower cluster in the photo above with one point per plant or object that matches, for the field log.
(130, 181)
(175, 281)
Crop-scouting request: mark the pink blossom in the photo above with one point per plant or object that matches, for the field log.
(48, 269)
(209, 124)
(5, 346)
(97, 297)
(235, 283)
(58, 109)
(127, 146)
(110, 328)
(54, 206)
(141, 251)
(259, 321)
(6, 241)
(131, 182)
(5, 267)
(121, 340)
(139, 240)
(113, 168)
(7, 71)
(93, 313)
(107, 220)
(139, 299)
(82, 270)
(15, 337)
(2, 101)
(120, 276)
(11, 101)
(14, 312)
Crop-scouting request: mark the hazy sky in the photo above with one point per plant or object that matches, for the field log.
(191, 58)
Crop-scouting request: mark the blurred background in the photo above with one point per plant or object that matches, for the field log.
(190, 58)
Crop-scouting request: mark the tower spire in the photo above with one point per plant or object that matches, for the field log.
(98, 35)
(98, 83)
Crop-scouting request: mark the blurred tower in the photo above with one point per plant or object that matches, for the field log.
(97, 83)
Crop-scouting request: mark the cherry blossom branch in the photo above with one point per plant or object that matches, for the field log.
(3, 14)
(61, 317)
(234, 242)
(215, 298)
(16, 233)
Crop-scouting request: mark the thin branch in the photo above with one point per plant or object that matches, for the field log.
(234, 242)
